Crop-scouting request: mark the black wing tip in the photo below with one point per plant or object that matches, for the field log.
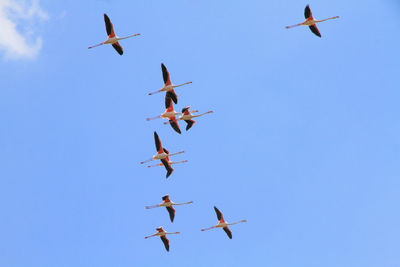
(175, 126)
(173, 96)
(189, 124)
(118, 48)
(169, 172)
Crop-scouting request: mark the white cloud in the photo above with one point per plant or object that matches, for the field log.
(18, 35)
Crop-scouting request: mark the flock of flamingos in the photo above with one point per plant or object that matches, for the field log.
(187, 116)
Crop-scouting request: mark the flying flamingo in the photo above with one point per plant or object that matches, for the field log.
(163, 155)
(187, 116)
(112, 38)
(310, 21)
(169, 114)
(167, 164)
(162, 234)
(222, 223)
(168, 86)
(168, 204)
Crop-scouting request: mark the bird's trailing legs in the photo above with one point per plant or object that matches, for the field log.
(194, 116)
(172, 204)
(224, 226)
(237, 222)
(126, 37)
(171, 87)
(160, 164)
(177, 204)
(169, 155)
(202, 113)
(162, 234)
(305, 22)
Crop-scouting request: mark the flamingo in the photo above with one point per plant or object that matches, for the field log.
(112, 38)
(168, 86)
(167, 164)
(222, 223)
(168, 204)
(311, 22)
(187, 116)
(162, 234)
(169, 114)
(163, 155)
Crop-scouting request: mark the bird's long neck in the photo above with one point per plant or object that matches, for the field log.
(327, 19)
(153, 118)
(126, 37)
(208, 228)
(237, 222)
(146, 161)
(154, 206)
(95, 45)
(299, 24)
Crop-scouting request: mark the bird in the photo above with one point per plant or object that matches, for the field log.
(162, 234)
(112, 38)
(169, 114)
(222, 223)
(311, 22)
(163, 155)
(167, 164)
(187, 116)
(168, 204)
(168, 86)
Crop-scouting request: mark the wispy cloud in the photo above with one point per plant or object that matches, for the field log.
(18, 35)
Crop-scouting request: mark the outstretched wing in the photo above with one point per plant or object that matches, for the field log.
(219, 214)
(157, 141)
(165, 74)
(165, 241)
(174, 125)
(168, 103)
(171, 212)
(109, 26)
(185, 111)
(118, 48)
(228, 232)
(189, 124)
(315, 30)
(167, 167)
(307, 12)
(171, 94)
(166, 151)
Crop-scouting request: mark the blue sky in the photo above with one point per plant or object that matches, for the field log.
(303, 142)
